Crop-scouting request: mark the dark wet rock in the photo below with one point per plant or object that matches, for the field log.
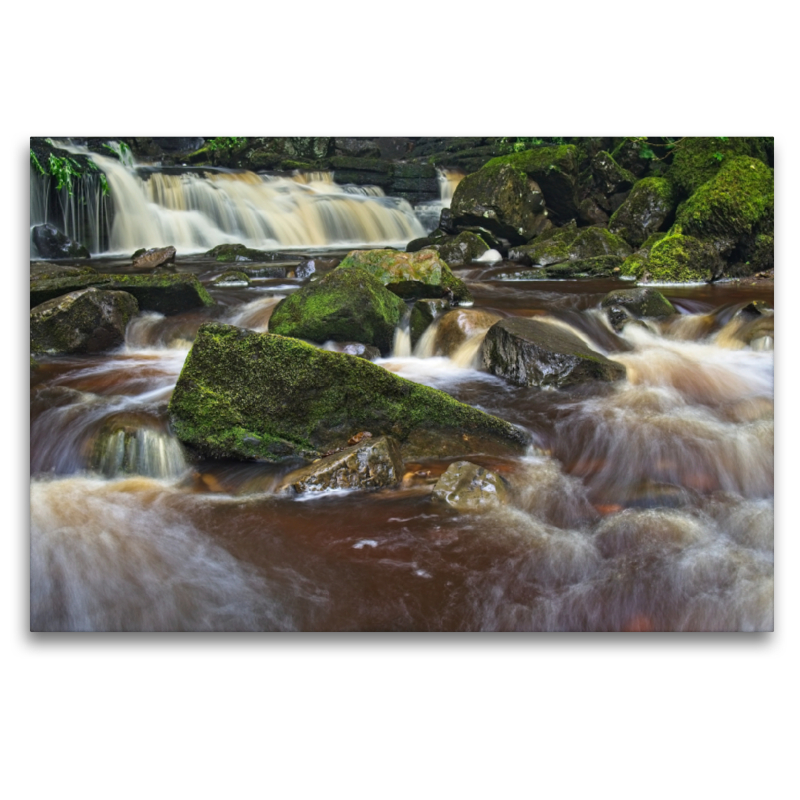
(462, 249)
(372, 463)
(434, 237)
(573, 244)
(43, 269)
(530, 352)
(465, 486)
(232, 278)
(640, 302)
(167, 294)
(85, 321)
(346, 305)
(555, 171)
(548, 248)
(247, 395)
(423, 313)
(240, 252)
(591, 214)
(356, 147)
(649, 208)
(264, 271)
(501, 199)
(597, 267)
(52, 243)
(457, 326)
(409, 275)
(155, 257)
(609, 177)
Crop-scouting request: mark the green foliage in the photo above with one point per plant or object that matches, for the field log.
(36, 164)
(63, 170)
(225, 144)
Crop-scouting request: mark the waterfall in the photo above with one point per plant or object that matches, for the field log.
(430, 212)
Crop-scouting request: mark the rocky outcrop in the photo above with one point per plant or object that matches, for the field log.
(246, 395)
(501, 199)
(468, 487)
(347, 305)
(370, 464)
(52, 243)
(155, 257)
(649, 208)
(86, 321)
(409, 275)
(167, 294)
(531, 352)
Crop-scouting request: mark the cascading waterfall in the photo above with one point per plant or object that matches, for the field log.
(197, 210)
(430, 212)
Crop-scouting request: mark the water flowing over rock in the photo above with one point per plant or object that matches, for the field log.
(86, 321)
(249, 395)
(530, 352)
(465, 486)
(455, 327)
(52, 243)
(423, 314)
(501, 199)
(641, 302)
(155, 257)
(369, 464)
(167, 294)
(347, 305)
(409, 275)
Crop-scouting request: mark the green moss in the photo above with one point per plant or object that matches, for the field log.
(409, 275)
(237, 252)
(541, 160)
(243, 394)
(732, 203)
(698, 159)
(349, 305)
(681, 259)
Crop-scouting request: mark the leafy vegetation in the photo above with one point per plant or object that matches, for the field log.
(225, 143)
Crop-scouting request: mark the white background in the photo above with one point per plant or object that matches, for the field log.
(385, 716)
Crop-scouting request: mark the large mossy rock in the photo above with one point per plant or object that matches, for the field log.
(409, 275)
(240, 252)
(731, 205)
(248, 395)
(571, 244)
(641, 302)
(347, 305)
(648, 209)
(501, 199)
(608, 177)
(676, 259)
(370, 464)
(52, 243)
(555, 170)
(167, 294)
(465, 486)
(86, 321)
(530, 352)
(698, 159)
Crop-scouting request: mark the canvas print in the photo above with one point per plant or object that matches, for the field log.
(401, 384)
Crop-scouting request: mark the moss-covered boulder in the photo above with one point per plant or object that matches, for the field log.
(678, 259)
(623, 304)
(459, 250)
(86, 321)
(608, 176)
(167, 294)
(45, 270)
(249, 395)
(232, 278)
(52, 243)
(531, 352)
(501, 199)
(238, 252)
(597, 267)
(555, 170)
(698, 159)
(571, 244)
(648, 209)
(731, 205)
(347, 305)
(410, 275)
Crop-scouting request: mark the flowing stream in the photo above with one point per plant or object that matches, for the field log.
(645, 505)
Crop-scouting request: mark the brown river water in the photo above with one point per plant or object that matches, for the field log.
(645, 505)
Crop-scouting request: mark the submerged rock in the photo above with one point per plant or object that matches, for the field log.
(640, 301)
(52, 243)
(167, 293)
(86, 321)
(368, 464)
(248, 395)
(501, 199)
(465, 486)
(232, 278)
(530, 352)
(155, 257)
(347, 305)
(409, 275)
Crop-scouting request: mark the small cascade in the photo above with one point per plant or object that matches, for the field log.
(402, 340)
(430, 212)
(123, 449)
